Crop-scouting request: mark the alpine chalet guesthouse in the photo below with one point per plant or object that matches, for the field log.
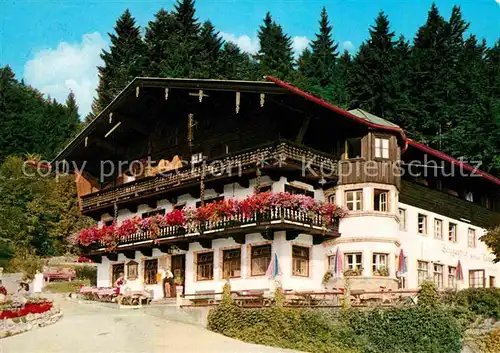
(212, 179)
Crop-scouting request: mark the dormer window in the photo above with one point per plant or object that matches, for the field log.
(353, 148)
(381, 147)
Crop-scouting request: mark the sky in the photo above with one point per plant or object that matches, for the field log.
(55, 44)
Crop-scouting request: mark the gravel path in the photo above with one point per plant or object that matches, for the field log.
(88, 329)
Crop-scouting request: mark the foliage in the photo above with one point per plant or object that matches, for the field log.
(480, 301)
(493, 342)
(227, 299)
(30, 122)
(26, 262)
(279, 297)
(317, 330)
(428, 296)
(65, 287)
(275, 54)
(36, 214)
(87, 273)
(122, 63)
(492, 240)
(408, 329)
(196, 219)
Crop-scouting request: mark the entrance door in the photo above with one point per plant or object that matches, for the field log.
(492, 282)
(116, 271)
(178, 270)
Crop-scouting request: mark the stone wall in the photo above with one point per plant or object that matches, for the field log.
(10, 327)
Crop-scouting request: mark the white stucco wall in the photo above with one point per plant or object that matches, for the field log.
(365, 231)
(418, 247)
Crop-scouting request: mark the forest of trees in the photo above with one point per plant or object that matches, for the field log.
(442, 86)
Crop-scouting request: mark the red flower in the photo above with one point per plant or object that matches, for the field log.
(175, 218)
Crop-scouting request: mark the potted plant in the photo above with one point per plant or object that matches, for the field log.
(352, 272)
(382, 271)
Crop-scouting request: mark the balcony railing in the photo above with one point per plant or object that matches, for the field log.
(276, 218)
(280, 154)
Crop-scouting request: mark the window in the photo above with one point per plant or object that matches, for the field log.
(261, 258)
(132, 270)
(298, 191)
(153, 213)
(205, 266)
(423, 271)
(353, 148)
(469, 196)
(231, 263)
(492, 282)
(354, 200)
(422, 224)
(381, 147)
(116, 271)
(452, 277)
(471, 238)
(476, 279)
(332, 199)
(331, 263)
(150, 271)
(300, 261)
(452, 232)
(438, 228)
(438, 275)
(353, 261)
(402, 219)
(265, 188)
(379, 265)
(381, 200)
(109, 222)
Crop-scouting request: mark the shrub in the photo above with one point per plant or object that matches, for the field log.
(480, 301)
(87, 273)
(316, 330)
(428, 296)
(411, 329)
(65, 287)
(493, 342)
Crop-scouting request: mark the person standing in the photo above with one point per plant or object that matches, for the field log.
(3, 290)
(167, 283)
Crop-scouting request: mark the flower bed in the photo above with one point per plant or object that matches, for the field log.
(29, 308)
(196, 219)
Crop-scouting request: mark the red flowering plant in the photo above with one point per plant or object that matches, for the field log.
(175, 218)
(87, 237)
(127, 228)
(108, 236)
(209, 216)
(153, 225)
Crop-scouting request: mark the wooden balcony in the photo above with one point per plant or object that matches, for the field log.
(282, 155)
(293, 221)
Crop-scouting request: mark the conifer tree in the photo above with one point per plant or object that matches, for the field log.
(275, 55)
(122, 63)
(323, 52)
(210, 44)
(235, 64)
(160, 38)
(181, 58)
(371, 83)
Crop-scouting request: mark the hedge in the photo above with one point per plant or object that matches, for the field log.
(377, 330)
(480, 301)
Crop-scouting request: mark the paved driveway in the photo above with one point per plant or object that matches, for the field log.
(88, 329)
